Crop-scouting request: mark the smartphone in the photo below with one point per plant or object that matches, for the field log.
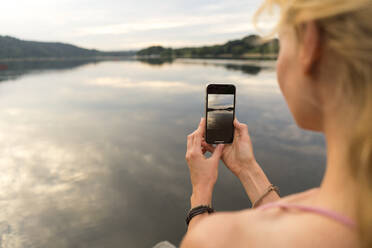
(220, 113)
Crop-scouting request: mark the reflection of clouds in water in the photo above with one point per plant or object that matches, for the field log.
(190, 74)
(87, 165)
(39, 182)
(265, 84)
(80, 186)
(143, 85)
(290, 137)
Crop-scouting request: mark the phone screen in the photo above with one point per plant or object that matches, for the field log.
(220, 114)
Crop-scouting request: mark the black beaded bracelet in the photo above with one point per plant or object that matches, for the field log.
(198, 210)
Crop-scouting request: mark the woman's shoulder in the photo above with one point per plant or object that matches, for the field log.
(266, 228)
(231, 229)
(222, 229)
(245, 228)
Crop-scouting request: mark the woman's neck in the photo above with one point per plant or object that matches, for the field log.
(338, 188)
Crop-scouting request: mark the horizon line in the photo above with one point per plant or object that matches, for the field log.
(133, 49)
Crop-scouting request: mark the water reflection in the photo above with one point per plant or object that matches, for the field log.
(245, 66)
(13, 69)
(249, 69)
(90, 157)
(156, 61)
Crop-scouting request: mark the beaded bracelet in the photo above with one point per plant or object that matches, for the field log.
(268, 190)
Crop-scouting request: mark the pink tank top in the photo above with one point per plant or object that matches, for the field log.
(320, 211)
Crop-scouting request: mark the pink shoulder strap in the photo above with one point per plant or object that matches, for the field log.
(320, 211)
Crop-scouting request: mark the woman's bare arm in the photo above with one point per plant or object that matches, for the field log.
(255, 183)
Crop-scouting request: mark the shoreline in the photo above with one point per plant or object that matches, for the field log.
(36, 59)
(246, 57)
(226, 57)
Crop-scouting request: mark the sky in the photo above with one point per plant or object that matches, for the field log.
(220, 101)
(127, 24)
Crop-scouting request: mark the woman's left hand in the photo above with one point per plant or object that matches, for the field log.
(203, 171)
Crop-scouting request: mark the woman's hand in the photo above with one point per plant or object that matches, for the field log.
(238, 156)
(203, 171)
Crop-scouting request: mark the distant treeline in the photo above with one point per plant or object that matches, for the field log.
(11, 48)
(250, 46)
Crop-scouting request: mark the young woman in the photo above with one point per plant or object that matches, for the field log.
(324, 71)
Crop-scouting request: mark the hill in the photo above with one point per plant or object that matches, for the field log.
(15, 48)
(250, 46)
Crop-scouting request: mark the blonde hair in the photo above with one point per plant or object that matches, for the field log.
(346, 27)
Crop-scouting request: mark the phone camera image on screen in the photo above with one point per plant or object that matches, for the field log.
(220, 117)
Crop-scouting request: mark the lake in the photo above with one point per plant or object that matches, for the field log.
(92, 152)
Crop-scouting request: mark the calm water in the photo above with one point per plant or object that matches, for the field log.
(92, 154)
(220, 126)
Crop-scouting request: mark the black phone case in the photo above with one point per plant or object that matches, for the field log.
(206, 115)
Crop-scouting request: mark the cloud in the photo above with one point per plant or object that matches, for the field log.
(217, 23)
(114, 24)
(126, 28)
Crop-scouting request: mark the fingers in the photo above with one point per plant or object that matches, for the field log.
(236, 123)
(194, 140)
(201, 128)
(189, 141)
(193, 151)
(199, 133)
(241, 130)
(208, 147)
(217, 152)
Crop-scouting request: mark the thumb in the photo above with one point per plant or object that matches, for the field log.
(218, 152)
(236, 128)
(240, 129)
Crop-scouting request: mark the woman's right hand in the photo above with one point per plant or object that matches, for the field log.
(237, 156)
